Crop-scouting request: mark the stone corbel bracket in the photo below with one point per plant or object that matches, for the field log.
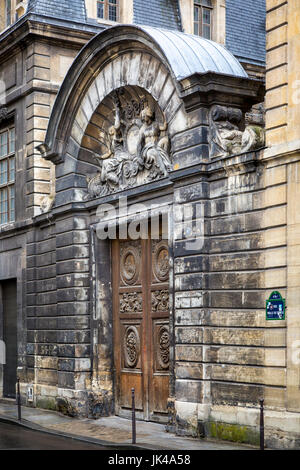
(47, 154)
(205, 90)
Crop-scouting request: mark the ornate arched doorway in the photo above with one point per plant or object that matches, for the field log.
(134, 119)
(132, 148)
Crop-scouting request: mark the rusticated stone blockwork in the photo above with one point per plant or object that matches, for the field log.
(224, 353)
(227, 354)
(244, 211)
(41, 298)
(136, 118)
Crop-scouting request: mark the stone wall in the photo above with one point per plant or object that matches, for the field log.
(276, 72)
(41, 308)
(282, 159)
(32, 76)
(228, 356)
(46, 66)
(2, 15)
(242, 245)
(73, 307)
(58, 312)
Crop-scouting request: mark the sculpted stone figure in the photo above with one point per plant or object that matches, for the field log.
(153, 145)
(226, 138)
(137, 151)
(253, 138)
(254, 135)
(113, 160)
(225, 134)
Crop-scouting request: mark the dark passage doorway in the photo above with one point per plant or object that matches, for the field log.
(9, 303)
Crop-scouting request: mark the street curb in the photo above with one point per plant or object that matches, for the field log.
(90, 440)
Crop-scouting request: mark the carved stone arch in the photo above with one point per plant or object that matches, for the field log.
(133, 63)
(180, 73)
(100, 59)
(181, 57)
(129, 69)
(132, 165)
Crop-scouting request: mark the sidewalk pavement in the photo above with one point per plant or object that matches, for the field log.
(113, 431)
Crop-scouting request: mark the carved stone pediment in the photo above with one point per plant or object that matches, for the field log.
(228, 136)
(136, 148)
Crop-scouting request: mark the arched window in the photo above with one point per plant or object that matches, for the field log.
(108, 10)
(203, 18)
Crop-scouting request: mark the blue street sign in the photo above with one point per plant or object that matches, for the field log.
(275, 307)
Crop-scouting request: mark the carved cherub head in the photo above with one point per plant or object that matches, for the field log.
(148, 114)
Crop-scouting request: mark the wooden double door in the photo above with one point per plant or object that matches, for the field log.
(141, 327)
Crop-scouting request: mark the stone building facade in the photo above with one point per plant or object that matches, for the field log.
(99, 119)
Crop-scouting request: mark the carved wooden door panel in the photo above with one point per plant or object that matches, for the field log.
(141, 327)
(129, 302)
(158, 325)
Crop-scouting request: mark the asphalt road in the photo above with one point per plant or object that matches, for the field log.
(14, 437)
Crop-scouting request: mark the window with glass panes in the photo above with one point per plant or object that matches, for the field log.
(108, 10)
(7, 175)
(203, 18)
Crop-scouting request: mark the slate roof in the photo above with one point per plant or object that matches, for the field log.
(188, 54)
(157, 13)
(245, 21)
(245, 30)
(160, 13)
(72, 10)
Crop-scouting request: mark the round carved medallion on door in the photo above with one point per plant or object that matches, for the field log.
(131, 346)
(130, 265)
(163, 349)
(161, 261)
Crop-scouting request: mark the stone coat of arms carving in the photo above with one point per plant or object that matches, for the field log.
(137, 150)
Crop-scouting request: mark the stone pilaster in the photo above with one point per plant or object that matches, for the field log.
(282, 160)
(38, 109)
